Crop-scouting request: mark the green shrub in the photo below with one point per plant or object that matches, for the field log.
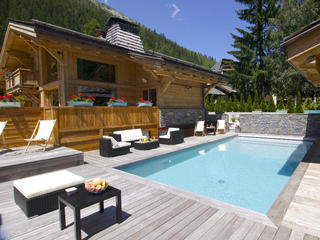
(242, 103)
(230, 104)
(263, 104)
(223, 104)
(249, 104)
(299, 108)
(236, 105)
(290, 105)
(271, 106)
(212, 105)
(281, 104)
(256, 104)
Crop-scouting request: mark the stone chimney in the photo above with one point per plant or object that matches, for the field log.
(124, 34)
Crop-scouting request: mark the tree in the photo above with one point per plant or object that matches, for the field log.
(217, 106)
(299, 108)
(242, 103)
(291, 17)
(249, 104)
(256, 104)
(223, 104)
(281, 104)
(290, 104)
(236, 105)
(207, 103)
(264, 107)
(272, 106)
(91, 27)
(251, 46)
(230, 105)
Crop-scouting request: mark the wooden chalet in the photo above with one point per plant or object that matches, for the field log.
(50, 63)
(302, 50)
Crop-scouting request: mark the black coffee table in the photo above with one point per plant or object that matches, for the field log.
(82, 199)
(146, 145)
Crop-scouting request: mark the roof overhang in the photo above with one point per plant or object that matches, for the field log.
(302, 50)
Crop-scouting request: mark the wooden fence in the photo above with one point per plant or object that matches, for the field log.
(78, 127)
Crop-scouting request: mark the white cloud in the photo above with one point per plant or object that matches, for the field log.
(105, 1)
(176, 10)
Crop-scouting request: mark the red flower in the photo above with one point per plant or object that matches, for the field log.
(143, 100)
(73, 96)
(150, 100)
(123, 98)
(1, 97)
(113, 98)
(80, 94)
(83, 98)
(93, 98)
(8, 96)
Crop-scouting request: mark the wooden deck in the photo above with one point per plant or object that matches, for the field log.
(14, 163)
(150, 210)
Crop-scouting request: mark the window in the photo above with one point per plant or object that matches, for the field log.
(150, 94)
(52, 69)
(94, 71)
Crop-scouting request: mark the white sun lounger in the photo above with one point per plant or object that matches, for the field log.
(45, 128)
(2, 127)
(199, 128)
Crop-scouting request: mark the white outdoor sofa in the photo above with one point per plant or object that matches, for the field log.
(130, 135)
(38, 194)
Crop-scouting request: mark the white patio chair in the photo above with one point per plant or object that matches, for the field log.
(2, 127)
(45, 128)
(199, 128)
(221, 126)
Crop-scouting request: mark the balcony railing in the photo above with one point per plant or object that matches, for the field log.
(21, 78)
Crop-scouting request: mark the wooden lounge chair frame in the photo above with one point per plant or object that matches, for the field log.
(32, 139)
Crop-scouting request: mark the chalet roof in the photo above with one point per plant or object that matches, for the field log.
(44, 27)
(219, 66)
(216, 92)
(226, 88)
(302, 31)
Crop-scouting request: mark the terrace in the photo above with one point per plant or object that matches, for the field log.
(156, 211)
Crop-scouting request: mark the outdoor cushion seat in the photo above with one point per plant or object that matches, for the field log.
(109, 147)
(130, 135)
(172, 136)
(39, 194)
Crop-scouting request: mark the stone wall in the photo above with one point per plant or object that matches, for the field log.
(281, 124)
(178, 116)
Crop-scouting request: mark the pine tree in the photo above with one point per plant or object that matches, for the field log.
(256, 104)
(217, 106)
(249, 104)
(281, 104)
(242, 103)
(264, 107)
(271, 106)
(236, 105)
(223, 104)
(252, 45)
(230, 105)
(299, 108)
(290, 105)
(207, 103)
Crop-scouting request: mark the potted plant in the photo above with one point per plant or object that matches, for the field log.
(237, 128)
(9, 100)
(144, 103)
(121, 102)
(80, 101)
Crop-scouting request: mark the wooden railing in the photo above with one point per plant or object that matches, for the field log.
(78, 127)
(21, 77)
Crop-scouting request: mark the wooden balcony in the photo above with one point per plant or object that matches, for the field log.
(21, 78)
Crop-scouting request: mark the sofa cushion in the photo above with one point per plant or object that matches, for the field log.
(42, 184)
(130, 135)
(114, 142)
(122, 144)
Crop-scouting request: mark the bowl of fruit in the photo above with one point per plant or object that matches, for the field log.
(97, 185)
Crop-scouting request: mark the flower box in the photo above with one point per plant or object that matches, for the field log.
(80, 104)
(144, 104)
(117, 104)
(11, 104)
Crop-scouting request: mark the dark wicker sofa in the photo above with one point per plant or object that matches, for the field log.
(106, 149)
(119, 137)
(176, 137)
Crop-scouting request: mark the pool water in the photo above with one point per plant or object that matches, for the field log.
(247, 172)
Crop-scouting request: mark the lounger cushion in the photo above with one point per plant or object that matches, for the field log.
(167, 136)
(113, 141)
(41, 184)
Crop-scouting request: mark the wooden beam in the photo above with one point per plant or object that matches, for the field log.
(51, 51)
(101, 84)
(18, 58)
(34, 48)
(208, 90)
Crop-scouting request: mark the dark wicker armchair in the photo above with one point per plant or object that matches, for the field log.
(107, 150)
(174, 137)
(118, 137)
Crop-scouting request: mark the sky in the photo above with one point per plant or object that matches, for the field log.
(203, 26)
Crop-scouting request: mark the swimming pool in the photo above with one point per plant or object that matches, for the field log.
(247, 172)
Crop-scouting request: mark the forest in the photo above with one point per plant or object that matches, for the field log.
(85, 16)
(260, 62)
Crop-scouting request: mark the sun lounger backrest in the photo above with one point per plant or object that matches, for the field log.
(199, 126)
(45, 129)
(2, 126)
(221, 124)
